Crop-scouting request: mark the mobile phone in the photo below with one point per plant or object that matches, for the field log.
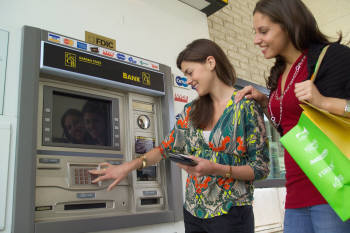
(183, 159)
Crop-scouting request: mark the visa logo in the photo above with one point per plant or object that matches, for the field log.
(81, 45)
(181, 81)
(54, 38)
(121, 56)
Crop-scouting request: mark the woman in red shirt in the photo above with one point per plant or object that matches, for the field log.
(287, 31)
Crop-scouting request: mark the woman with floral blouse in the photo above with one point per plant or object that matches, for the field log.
(226, 140)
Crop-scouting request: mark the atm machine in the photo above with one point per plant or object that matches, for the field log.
(82, 105)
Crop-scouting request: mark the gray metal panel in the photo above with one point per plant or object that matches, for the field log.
(102, 224)
(24, 193)
(174, 177)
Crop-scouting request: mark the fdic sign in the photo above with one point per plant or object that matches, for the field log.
(98, 40)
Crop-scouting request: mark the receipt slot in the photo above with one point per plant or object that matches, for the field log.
(90, 105)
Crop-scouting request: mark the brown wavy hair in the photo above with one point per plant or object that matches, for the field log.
(299, 23)
(202, 111)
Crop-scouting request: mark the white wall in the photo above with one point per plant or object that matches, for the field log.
(332, 16)
(154, 29)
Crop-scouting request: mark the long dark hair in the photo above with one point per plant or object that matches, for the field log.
(202, 109)
(299, 23)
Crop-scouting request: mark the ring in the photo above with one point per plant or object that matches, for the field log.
(104, 169)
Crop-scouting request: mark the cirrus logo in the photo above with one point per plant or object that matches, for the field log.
(181, 81)
(132, 60)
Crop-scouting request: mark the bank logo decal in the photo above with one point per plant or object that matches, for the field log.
(70, 60)
(146, 79)
(181, 81)
(131, 77)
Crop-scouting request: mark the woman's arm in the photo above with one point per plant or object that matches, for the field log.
(119, 172)
(307, 91)
(205, 167)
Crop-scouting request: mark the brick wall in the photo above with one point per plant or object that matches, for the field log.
(232, 29)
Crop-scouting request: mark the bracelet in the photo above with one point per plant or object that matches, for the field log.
(144, 162)
(228, 175)
(347, 108)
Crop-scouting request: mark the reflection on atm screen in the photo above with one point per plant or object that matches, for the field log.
(81, 120)
(147, 174)
(144, 144)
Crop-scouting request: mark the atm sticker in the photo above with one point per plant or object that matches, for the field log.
(94, 49)
(108, 53)
(132, 60)
(54, 38)
(121, 56)
(181, 98)
(69, 42)
(145, 63)
(181, 81)
(155, 66)
(81, 45)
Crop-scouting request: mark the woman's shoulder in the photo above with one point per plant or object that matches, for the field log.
(246, 105)
(337, 57)
(339, 51)
(335, 51)
(244, 102)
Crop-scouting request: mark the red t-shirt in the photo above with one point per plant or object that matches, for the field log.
(300, 191)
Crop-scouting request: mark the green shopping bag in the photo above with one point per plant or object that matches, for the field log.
(320, 158)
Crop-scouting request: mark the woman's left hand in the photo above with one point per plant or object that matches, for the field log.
(204, 167)
(307, 91)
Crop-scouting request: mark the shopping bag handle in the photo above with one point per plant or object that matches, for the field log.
(318, 63)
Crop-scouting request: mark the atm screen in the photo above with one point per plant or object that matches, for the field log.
(80, 120)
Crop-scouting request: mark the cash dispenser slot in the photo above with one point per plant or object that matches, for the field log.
(150, 201)
(150, 198)
(84, 206)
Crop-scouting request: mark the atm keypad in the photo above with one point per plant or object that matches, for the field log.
(82, 176)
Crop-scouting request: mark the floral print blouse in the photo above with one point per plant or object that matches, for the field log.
(238, 138)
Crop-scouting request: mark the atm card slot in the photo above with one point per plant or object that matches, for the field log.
(85, 206)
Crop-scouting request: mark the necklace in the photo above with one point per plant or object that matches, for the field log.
(280, 98)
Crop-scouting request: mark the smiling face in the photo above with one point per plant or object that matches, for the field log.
(270, 37)
(200, 76)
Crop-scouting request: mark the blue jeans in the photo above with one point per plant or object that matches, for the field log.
(314, 219)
